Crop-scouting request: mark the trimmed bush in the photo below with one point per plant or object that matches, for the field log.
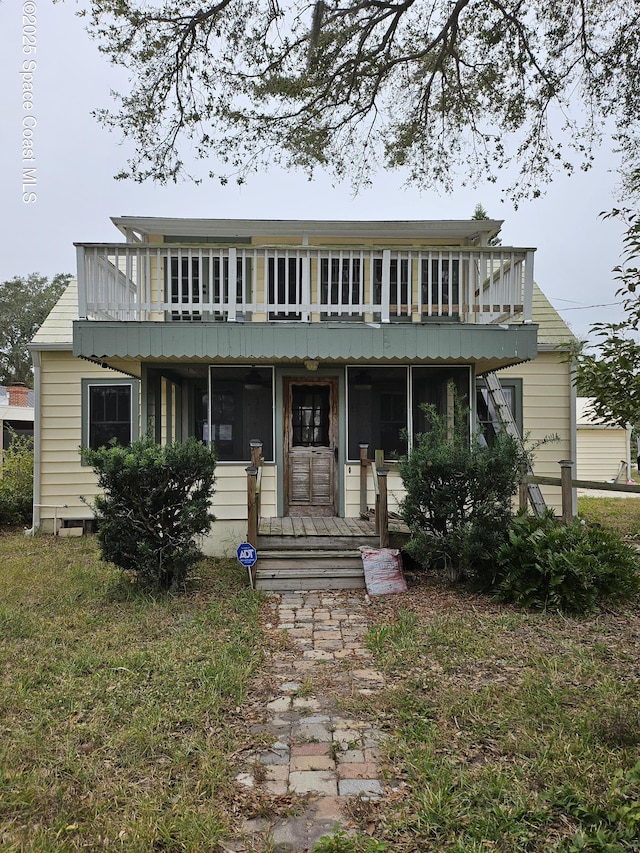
(155, 503)
(458, 494)
(570, 568)
(16, 482)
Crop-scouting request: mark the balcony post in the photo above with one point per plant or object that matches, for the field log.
(82, 283)
(232, 295)
(528, 287)
(386, 285)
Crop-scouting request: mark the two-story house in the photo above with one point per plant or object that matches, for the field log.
(315, 337)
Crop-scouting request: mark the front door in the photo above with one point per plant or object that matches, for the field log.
(311, 446)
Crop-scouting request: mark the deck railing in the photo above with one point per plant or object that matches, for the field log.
(137, 282)
(254, 483)
(379, 471)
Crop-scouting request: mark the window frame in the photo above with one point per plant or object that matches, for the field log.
(87, 384)
(517, 409)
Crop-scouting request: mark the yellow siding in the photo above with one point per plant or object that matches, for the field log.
(395, 490)
(230, 499)
(600, 452)
(546, 395)
(63, 479)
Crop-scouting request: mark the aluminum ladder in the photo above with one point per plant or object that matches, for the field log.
(505, 416)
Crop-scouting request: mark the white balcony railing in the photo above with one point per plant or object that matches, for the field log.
(134, 282)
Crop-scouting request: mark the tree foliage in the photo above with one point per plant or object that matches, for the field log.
(611, 373)
(24, 306)
(428, 85)
(16, 481)
(155, 503)
(458, 494)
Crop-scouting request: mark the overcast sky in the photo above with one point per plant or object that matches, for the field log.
(75, 193)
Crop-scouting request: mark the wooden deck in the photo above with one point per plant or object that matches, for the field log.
(316, 526)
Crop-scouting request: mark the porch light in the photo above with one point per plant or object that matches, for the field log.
(362, 381)
(253, 380)
(311, 365)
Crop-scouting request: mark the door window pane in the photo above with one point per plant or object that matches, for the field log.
(310, 415)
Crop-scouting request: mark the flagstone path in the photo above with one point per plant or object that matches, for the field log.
(316, 750)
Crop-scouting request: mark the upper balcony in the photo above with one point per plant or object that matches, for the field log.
(189, 283)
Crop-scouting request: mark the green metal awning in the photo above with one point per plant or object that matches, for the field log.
(489, 346)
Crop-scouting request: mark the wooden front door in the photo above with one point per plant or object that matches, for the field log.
(310, 446)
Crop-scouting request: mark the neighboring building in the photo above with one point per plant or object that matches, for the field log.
(16, 413)
(312, 336)
(604, 449)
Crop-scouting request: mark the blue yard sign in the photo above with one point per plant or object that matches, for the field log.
(247, 555)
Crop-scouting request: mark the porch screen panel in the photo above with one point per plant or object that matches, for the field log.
(377, 410)
(241, 409)
(438, 386)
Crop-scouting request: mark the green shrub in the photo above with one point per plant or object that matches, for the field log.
(544, 565)
(16, 482)
(155, 504)
(458, 494)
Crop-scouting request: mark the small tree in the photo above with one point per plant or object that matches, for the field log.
(458, 494)
(610, 375)
(16, 481)
(155, 503)
(24, 306)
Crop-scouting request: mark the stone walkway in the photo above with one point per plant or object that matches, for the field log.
(316, 750)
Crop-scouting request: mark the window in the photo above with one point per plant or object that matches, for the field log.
(193, 280)
(284, 285)
(487, 418)
(441, 285)
(310, 415)
(398, 282)
(110, 411)
(340, 282)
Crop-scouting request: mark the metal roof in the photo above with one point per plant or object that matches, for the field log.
(490, 347)
(442, 229)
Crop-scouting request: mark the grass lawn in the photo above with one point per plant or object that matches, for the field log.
(621, 514)
(506, 729)
(119, 714)
(123, 717)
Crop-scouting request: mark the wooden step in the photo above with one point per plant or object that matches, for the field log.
(315, 542)
(308, 584)
(282, 569)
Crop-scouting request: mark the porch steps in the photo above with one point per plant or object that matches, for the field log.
(313, 565)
